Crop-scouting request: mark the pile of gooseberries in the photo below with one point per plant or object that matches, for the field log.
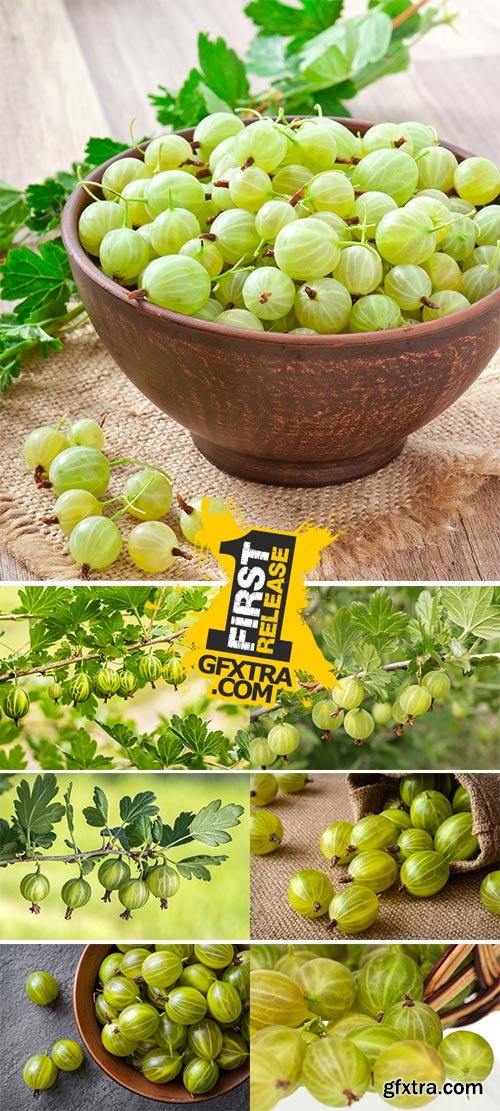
(318, 1020)
(176, 1011)
(422, 831)
(301, 227)
(76, 468)
(342, 707)
(104, 682)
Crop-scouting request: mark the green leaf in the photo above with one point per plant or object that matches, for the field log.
(266, 56)
(276, 18)
(139, 831)
(9, 842)
(98, 150)
(13, 212)
(83, 752)
(195, 735)
(242, 743)
(97, 815)
(120, 733)
(367, 659)
(142, 805)
(224, 72)
(341, 636)
(14, 759)
(339, 52)
(471, 608)
(18, 340)
(379, 622)
(197, 867)
(40, 280)
(35, 811)
(179, 833)
(169, 748)
(393, 8)
(184, 109)
(210, 824)
(427, 609)
(331, 101)
(46, 201)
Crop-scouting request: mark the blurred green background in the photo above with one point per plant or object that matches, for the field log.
(200, 910)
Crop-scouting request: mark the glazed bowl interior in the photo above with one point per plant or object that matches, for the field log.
(285, 409)
(115, 1067)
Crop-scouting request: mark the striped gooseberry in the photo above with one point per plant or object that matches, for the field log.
(197, 976)
(359, 725)
(461, 800)
(214, 956)
(266, 832)
(159, 1066)
(34, 888)
(238, 975)
(106, 682)
(169, 1034)
(346, 1025)
(354, 909)
(372, 832)
(326, 715)
(292, 782)
(260, 753)
(224, 1003)
(283, 739)
(287, 1047)
(415, 700)
(335, 841)
(412, 785)
(119, 992)
(42, 988)
(438, 684)
(234, 1051)
(381, 713)
(466, 1056)
(200, 1076)
(110, 966)
(400, 818)
(131, 964)
(374, 868)
(276, 999)
(80, 688)
(490, 892)
(67, 1055)
(413, 841)
(336, 1072)
(128, 683)
(133, 894)
(408, 1061)
(454, 838)
(186, 1006)
(75, 893)
(114, 1041)
(310, 893)
(329, 987)
(40, 1073)
(138, 1021)
(385, 980)
(268, 1082)
(429, 810)
(416, 1021)
(41, 447)
(111, 874)
(80, 468)
(424, 873)
(205, 1039)
(103, 1012)
(263, 789)
(372, 1038)
(160, 970)
(348, 694)
(163, 882)
(16, 704)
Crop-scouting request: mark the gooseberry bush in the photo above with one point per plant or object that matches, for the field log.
(132, 853)
(81, 656)
(417, 683)
(345, 1019)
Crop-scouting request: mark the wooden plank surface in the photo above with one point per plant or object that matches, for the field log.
(71, 68)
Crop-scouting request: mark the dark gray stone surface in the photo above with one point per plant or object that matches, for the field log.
(28, 1029)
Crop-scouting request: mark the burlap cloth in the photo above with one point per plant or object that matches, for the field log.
(455, 912)
(406, 503)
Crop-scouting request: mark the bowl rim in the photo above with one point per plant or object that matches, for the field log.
(76, 202)
(160, 1094)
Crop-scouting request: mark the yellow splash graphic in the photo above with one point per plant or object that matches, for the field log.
(253, 641)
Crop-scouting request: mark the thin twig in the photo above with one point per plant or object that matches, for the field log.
(54, 664)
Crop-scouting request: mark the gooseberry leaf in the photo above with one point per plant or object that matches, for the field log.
(224, 71)
(142, 805)
(210, 824)
(14, 759)
(471, 609)
(195, 735)
(183, 109)
(138, 832)
(97, 815)
(13, 212)
(179, 833)
(83, 752)
(379, 622)
(169, 748)
(122, 734)
(35, 812)
(242, 744)
(40, 280)
(197, 867)
(266, 56)
(9, 842)
(276, 18)
(99, 149)
(18, 340)
(340, 637)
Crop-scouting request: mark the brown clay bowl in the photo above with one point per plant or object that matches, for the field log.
(290, 410)
(115, 1067)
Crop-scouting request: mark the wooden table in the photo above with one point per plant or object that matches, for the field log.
(74, 68)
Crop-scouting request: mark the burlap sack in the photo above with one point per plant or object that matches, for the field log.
(370, 790)
(404, 505)
(455, 912)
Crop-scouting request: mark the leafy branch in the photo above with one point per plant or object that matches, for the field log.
(82, 658)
